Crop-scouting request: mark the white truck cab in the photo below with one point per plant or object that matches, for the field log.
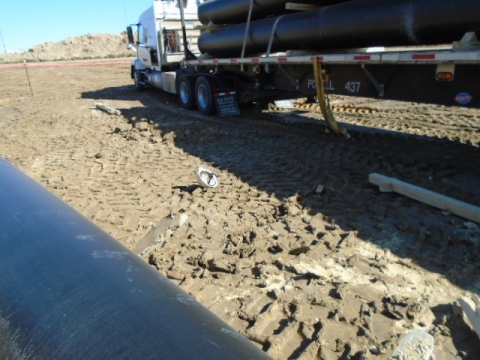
(160, 42)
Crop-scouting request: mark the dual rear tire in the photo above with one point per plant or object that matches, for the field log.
(186, 92)
(197, 94)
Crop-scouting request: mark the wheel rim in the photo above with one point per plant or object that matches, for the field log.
(203, 96)
(184, 93)
(135, 79)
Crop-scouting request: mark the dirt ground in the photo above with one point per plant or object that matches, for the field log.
(295, 248)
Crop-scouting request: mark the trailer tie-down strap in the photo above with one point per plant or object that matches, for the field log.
(323, 100)
(247, 30)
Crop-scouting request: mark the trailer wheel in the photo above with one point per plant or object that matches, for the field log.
(204, 95)
(186, 92)
(138, 79)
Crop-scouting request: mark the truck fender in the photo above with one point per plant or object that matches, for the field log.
(136, 65)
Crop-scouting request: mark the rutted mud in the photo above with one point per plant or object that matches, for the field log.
(294, 249)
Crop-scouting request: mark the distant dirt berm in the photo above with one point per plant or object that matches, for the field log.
(90, 46)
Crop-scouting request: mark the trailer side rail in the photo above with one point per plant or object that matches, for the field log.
(387, 57)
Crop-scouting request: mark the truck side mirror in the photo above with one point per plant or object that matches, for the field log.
(130, 35)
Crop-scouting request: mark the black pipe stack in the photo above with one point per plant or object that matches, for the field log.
(222, 12)
(338, 25)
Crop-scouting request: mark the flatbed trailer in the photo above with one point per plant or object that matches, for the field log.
(446, 75)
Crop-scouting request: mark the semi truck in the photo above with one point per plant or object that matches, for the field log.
(215, 55)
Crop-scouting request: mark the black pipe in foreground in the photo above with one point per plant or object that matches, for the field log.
(68, 290)
(354, 24)
(220, 12)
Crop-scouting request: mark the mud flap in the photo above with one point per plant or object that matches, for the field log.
(226, 102)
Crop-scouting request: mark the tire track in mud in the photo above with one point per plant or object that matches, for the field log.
(265, 251)
(460, 124)
(279, 255)
(305, 271)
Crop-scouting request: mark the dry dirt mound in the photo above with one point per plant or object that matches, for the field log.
(90, 46)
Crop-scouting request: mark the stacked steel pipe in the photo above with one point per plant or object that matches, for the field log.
(333, 25)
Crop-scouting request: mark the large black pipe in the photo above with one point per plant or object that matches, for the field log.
(68, 290)
(220, 12)
(355, 24)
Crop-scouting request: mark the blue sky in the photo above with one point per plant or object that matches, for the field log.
(25, 23)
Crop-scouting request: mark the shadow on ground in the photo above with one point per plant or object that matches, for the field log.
(284, 165)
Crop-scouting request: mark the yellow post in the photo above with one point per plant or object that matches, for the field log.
(323, 100)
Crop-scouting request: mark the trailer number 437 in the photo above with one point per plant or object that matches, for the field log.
(352, 86)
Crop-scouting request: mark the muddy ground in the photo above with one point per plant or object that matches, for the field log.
(295, 248)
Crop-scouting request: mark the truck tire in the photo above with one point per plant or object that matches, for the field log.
(204, 89)
(186, 92)
(138, 79)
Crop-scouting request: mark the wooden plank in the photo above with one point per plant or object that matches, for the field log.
(472, 312)
(154, 234)
(457, 207)
(107, 109)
